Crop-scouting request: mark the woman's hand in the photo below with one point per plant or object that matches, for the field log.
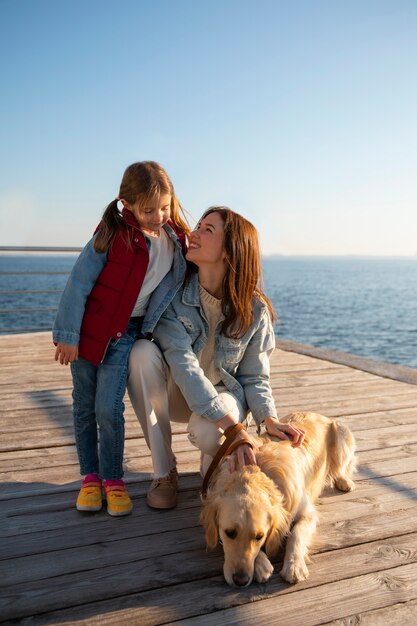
(284, 431)
(244, 454)
(65, 353)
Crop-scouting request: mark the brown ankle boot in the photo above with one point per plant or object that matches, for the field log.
(162, 493)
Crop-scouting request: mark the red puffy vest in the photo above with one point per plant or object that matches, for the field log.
(111, 300)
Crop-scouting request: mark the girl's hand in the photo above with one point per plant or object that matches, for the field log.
(284, 431)
(65, 353)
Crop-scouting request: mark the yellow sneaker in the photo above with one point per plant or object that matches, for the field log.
(118, 501)
(90, 497)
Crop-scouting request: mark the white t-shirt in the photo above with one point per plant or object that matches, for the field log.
(161, 257)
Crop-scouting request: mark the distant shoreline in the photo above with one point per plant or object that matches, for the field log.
(277, 257)
(35, 250)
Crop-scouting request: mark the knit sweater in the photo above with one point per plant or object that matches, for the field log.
(212, 308)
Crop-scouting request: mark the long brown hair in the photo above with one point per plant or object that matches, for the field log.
(243, 279)
(141, 181)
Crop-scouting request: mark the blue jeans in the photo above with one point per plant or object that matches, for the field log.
(98, 407)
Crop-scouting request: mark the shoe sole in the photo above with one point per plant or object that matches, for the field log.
(89, 508)
(161, 506)
(119, 513)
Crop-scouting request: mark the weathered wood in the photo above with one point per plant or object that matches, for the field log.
(65, 528)
(391, 563)
(136, 450)
(56, 399)
(58, 565)
(396, 615)
(387, 370)
(378, 461)
(388, 587)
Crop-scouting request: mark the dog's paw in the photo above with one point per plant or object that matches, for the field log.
(263, 568)
(294, 571)
(344, 484)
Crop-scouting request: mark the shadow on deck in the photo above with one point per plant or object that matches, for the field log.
(58, 565)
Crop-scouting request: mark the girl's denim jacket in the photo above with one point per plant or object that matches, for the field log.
(243, 363)
(83, 277)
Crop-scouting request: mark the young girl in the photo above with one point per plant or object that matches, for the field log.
(122, 282)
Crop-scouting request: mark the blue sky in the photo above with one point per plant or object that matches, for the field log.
(301, 116)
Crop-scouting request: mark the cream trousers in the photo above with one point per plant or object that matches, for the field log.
(157, 401)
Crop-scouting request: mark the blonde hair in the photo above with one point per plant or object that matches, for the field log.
(141, 181)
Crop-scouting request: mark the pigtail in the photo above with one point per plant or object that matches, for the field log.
(112, 222)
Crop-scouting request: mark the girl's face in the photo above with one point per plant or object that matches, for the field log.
(206, 245)
(154, 214)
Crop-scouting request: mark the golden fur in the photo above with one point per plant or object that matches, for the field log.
(255, 507)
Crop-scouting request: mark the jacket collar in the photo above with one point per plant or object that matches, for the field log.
(130, 219)
(191, 292)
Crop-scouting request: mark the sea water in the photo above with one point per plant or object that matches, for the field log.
(365, 306)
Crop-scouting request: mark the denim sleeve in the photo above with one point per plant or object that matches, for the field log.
(253, 371)
(82, 279)
(175, 343)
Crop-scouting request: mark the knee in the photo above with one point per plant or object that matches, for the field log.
(143, 351)
(204, 434)
(109, 413)
(145, 358)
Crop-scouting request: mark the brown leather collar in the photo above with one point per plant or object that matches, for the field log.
(227, 447)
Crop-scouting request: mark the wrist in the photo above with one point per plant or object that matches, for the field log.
(270, 421)
(226, 421)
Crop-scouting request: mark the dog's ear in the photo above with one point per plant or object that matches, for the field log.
(278, 529)
(273, 541)
(208, 519)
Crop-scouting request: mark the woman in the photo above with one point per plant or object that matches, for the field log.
(212, 364)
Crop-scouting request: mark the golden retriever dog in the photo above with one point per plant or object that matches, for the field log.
(257, 506)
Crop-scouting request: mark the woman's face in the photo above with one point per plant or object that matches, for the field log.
(206, 241)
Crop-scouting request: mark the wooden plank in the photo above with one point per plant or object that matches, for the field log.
(136, 447)
(317, 378)
(46, 538)
(338, 408)
(392, 417)
(33, 419)
(389, 587)
(58, 398)
(25, 527)
(396, 615)
(47, 379)
(367, 489)
(373, 463)
(386, 570)
(291, 402)
(356, 419)
(19, 491)
(386, 370)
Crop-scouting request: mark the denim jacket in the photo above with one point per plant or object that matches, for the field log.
(243, 363)
(85, 272)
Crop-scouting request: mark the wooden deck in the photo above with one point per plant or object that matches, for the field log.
(60, 566)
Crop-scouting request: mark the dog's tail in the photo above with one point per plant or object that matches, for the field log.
(342, 456)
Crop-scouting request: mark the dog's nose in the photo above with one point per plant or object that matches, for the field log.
(240, 579)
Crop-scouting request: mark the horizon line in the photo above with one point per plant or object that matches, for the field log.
(274, 255)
